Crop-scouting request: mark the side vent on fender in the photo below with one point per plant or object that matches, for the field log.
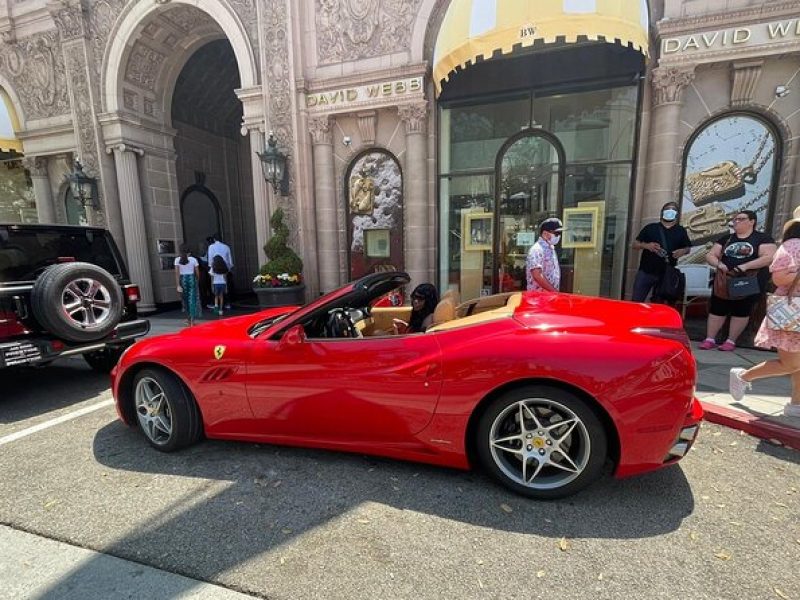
(217, 374)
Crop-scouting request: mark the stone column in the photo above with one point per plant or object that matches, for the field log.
(325, 195)
(136, 240)
(664, 164)
(415, 184)
(45, 209)
(261, 204)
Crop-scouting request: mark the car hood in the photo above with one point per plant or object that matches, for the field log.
(573, 312)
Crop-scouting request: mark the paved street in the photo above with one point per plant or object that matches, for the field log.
(288, 523)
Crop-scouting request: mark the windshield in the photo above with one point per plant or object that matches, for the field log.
(265, 324)
(25, 253)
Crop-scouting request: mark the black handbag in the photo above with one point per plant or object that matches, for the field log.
(740, 284)
(673, 282)
(743, 286)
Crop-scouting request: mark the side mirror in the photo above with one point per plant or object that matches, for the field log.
(293, 336)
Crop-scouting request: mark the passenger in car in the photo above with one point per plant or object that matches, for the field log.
(424, 299)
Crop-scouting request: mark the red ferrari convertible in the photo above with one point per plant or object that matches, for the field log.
(541, 390)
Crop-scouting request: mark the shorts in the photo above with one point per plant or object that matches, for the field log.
(219, 289)
(741, 307)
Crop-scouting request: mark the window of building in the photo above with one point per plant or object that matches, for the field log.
(730, 165)
(523, 158)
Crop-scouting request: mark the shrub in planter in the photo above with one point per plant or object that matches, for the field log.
(282, 271)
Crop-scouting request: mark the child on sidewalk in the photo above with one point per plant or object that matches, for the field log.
(219, 272)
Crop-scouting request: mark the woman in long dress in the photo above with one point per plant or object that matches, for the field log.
(784, 268)
(187, 273)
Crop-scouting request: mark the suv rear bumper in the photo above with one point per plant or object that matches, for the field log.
(42, 349)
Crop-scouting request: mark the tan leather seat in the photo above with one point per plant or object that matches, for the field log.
(453, 295)
(444, 311)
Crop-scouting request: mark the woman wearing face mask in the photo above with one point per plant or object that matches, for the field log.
(664, 239)
(541, 266)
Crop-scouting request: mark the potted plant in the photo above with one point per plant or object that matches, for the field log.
(280, 282)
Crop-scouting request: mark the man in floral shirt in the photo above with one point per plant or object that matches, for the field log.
(541, 266)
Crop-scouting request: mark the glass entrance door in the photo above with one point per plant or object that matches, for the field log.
(529, 189)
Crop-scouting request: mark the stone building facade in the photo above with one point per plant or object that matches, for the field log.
(167, 102)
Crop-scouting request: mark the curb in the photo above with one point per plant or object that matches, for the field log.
(751, 424)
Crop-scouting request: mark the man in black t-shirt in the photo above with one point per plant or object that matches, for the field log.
(744, 250)
(651, 240)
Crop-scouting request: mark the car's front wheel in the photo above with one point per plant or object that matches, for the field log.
(542, 442)
(165, 410)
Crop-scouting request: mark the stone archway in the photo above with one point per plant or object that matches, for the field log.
(137, 18)
(158, 148)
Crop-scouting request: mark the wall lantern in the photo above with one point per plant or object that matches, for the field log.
(273, 162)
(83, 187)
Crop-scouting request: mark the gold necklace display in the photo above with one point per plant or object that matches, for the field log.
(726, 180)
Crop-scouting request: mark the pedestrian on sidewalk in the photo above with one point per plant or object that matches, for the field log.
(187, 272)
(219, 276)
(666, 240)
(219, 248)
(744, 250)
(784, 269)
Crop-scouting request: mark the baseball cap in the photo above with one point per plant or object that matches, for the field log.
(552, 224)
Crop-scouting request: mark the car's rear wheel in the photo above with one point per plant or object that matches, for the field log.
(542, 442)
(165, 410)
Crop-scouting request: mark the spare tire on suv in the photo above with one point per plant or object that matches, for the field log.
(78, 301)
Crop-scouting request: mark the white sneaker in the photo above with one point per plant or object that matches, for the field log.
(737, 385)
(792, 410)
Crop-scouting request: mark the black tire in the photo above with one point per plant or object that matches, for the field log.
(179, 407)
(97, 310)
(585, 443)
(104, 360)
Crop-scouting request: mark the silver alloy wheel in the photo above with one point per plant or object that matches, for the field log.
(86, 303)
(153, 410)
(539, 443)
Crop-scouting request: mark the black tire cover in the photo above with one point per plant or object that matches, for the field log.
(93, 294)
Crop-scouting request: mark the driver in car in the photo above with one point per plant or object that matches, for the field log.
(424, 299)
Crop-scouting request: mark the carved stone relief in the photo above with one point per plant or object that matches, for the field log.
(34, 66)
(129, 99)
(187, 18)
(354, 29)
(75, 60)
(414, 116)
(143, 66)
(69, 20)
(669, 83)
(279, 84)
(101, 21)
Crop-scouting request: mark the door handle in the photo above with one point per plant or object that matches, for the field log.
(425, 371)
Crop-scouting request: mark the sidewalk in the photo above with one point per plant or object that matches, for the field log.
(761, 412)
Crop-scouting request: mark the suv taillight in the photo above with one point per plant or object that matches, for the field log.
(669, 333)
(132, 293)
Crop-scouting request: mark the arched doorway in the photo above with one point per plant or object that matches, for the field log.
(171, 75)
(200, 217)
(530, 188)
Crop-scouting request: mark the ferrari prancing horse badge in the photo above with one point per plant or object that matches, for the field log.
(219, 351)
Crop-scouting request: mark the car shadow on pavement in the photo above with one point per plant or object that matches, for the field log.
(778, 451)
(273, 494)
(34, 391)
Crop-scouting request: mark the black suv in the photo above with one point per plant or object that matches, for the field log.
(64, 290)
